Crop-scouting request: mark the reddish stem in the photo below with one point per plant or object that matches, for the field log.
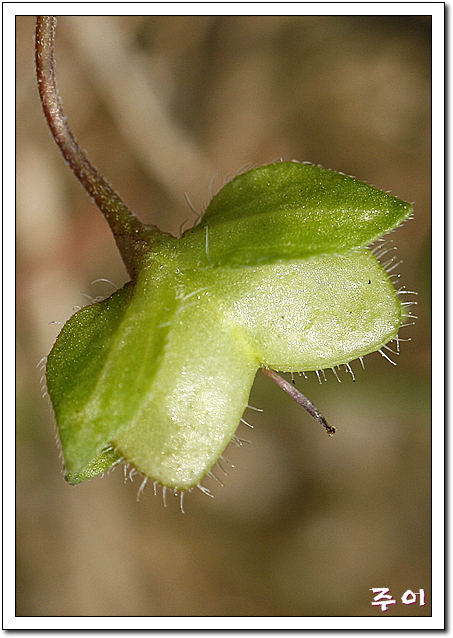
(301, 399)
(126, 228)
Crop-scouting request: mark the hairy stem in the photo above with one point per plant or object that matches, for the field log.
(301, 399)
(126, 228)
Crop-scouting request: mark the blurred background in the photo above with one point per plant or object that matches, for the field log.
(305, 525)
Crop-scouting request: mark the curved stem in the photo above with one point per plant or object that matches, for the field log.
(126, 228)
(301, 399)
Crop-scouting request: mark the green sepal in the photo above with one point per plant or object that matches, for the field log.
(314, 313)
(74, 366)
(103, 363)
(287, 211)
(159, 374)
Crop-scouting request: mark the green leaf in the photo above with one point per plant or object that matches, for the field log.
(287, 211)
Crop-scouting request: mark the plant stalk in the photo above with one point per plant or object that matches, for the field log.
(300, 398)
(126, 227)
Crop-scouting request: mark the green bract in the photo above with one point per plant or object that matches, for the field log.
(277, 275)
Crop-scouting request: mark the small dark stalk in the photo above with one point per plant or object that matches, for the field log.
(301, 399)
(127, 229)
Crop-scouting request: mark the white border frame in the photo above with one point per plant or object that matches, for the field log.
(437, 620)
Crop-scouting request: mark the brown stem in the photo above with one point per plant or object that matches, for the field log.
(126, 228)
(301, 399)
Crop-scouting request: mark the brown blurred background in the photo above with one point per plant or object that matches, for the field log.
(305, 525)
